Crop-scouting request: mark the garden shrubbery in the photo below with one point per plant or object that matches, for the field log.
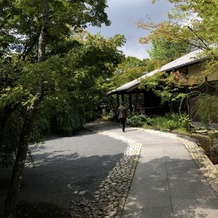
(137, 120)
(207, 108)
(169, 122)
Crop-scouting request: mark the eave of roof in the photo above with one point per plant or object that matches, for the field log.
(125, 87)
(185, 60)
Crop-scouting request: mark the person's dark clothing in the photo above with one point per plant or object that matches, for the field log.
(122, 115)
(123, 123)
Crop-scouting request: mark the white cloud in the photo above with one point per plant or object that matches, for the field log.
(137, 51)
(189, 20)
(124, 14)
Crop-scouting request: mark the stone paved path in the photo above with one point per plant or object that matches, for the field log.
(167, 182)
(66, 169)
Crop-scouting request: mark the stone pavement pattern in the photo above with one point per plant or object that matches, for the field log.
(66, 169)
(89, 174)
(167, 181)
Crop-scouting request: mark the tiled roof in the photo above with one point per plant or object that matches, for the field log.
(188, 59)
(185, 60)
(126, 87)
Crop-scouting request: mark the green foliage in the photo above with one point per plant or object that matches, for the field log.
(137, 120)
(130, 69)
(57, 62)
(169, 122)
(71, 120)
(193, 23)
(207, 108)
(180, 120)
(168, 88)
(71, 76)
(152, 82)
(42, 127)
(215, 136)
(163, 52)
(25, 19)
(158, 122)
(9, 142)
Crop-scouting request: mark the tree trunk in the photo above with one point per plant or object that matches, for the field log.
(11, 199)
(43, 32)
(15, 183)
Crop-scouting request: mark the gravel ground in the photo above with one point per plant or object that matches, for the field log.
(66, 169)
(90, 179)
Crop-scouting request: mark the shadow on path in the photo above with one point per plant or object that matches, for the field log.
(66, 169)
(170, 187)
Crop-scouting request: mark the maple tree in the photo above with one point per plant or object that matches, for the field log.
(193, 23)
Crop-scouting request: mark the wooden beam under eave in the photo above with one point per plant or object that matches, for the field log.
(144, 97)
(118, 100)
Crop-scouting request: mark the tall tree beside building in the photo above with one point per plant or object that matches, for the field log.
(193, 22)
(38, 52)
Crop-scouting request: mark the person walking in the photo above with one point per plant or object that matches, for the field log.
(122, 115)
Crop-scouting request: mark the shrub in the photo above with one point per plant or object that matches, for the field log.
(170, 122)
(176, 121)
(158, 122)
(207, 108)
(137, 120)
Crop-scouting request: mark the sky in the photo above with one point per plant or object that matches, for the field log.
(124, 15)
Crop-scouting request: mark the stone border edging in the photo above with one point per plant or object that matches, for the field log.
(209, 170)
(110, 198)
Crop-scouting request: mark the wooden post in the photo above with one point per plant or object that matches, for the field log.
(118, 100)
(135, 102)
(122, 97)
(130, 102)
(144, 101)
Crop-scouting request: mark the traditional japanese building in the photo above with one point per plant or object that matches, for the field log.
(146, 102)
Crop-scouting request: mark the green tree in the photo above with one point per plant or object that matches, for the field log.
(130, 69)
(171, 88)
(50, 62)
(163, 52)
(207, 108)
(194, 22)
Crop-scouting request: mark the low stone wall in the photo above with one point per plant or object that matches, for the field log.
(209, 145)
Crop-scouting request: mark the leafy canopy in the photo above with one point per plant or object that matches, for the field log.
(130, 69)
(74, 60)
(192, 22)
